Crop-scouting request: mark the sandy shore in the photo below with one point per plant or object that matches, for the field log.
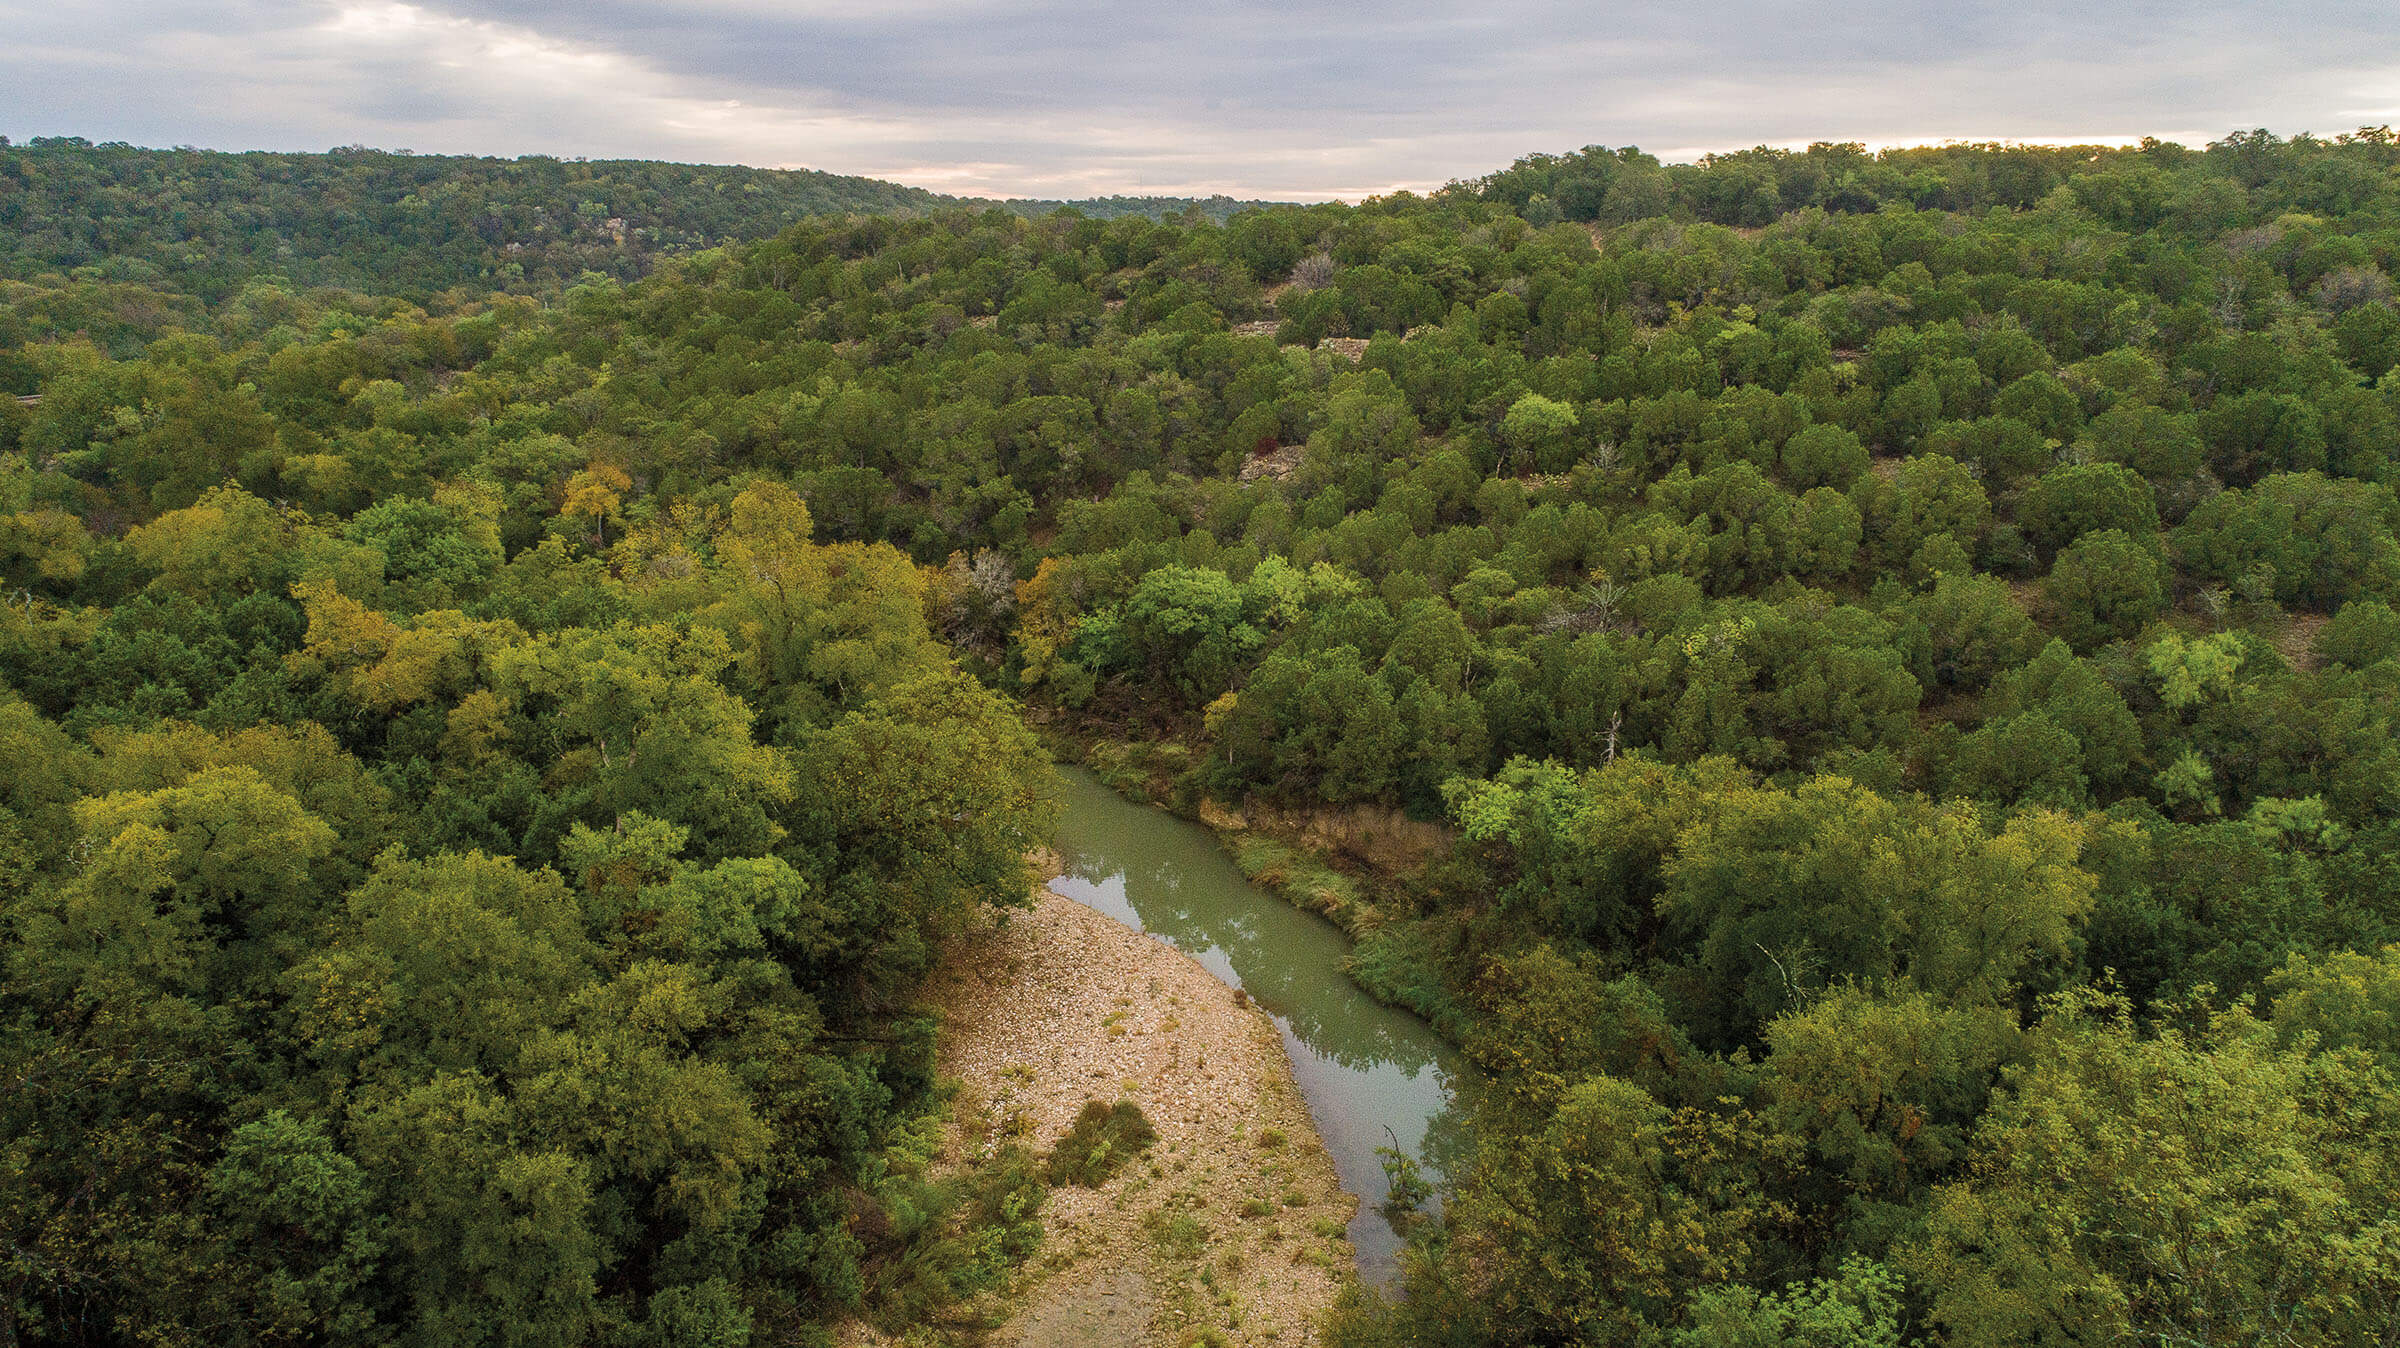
(1230, 1230)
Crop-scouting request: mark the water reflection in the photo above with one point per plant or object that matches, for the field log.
(1372, 1075)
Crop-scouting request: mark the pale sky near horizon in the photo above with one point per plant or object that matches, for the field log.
(1064, 98)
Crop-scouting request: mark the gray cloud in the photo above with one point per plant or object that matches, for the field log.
(1066, 97)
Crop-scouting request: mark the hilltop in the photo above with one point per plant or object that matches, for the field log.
(411, 225)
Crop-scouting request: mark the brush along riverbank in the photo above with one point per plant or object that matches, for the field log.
(1362, 867)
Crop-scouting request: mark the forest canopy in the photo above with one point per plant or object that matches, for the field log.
(403, 224)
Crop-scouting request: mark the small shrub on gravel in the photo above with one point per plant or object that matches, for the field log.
(1179, 1237)
(1104, 1137)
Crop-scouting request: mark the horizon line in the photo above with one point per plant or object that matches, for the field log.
(923, 177)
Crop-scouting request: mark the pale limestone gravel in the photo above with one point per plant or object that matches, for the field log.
(1061, 1005)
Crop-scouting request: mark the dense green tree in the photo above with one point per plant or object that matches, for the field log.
(2302, 538)
(2076, 697)
(2157, 444)
(1595, 1220)
(1776, 893)
(1861, 1307)
(2170, 1186)
(1885, 1087)
(1823, 456)
(2003, 448)
(2104, 586)
(1927, 497)
(1973, 629)
(2076, 499)
(1188, 626)
(2364, 633)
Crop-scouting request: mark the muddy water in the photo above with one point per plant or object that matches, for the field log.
(1373, 1076)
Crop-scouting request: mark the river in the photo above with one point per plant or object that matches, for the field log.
(1372, 1075)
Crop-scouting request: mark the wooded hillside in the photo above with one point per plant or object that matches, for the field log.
(1906, 646)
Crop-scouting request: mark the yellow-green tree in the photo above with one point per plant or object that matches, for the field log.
(2204, 1185)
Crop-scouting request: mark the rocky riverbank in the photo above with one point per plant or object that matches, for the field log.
(1230, 1229)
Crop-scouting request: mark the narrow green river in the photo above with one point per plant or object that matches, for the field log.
(1372, 1075)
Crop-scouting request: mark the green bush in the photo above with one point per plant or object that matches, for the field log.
(956, 1237)
(1104, 1138)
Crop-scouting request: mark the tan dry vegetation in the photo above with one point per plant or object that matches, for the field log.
(2026, 593)
(1379, 840)
(1233, 1221)
(2295, 638)
(1278, 463)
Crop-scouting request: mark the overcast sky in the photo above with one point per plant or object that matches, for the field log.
(1299, 99)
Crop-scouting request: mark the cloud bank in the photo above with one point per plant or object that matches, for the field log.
(1298, 100)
